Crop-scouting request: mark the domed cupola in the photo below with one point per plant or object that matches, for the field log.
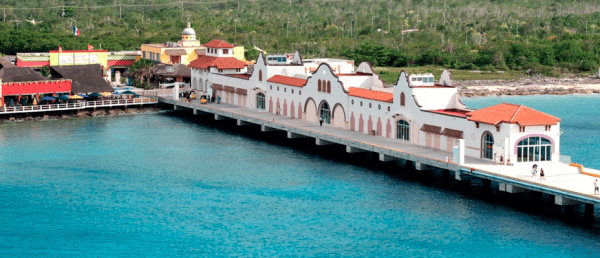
(188, 33)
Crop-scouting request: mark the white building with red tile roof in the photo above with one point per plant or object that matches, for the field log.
(416, 110)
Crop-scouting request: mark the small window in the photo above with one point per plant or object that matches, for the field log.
(352, 102)
(413, 79)
(389, 108)
(328, 87)
(379, 106)
(277, 88)
(319, 85)
(370, 105)
(521, 129)
(548, 128)
(361, 103)
(260, 75)
(284, 89)
(402, 99)
(299, 92)
(225, 51)
(292, 91)
(271, 87)
(419, 79)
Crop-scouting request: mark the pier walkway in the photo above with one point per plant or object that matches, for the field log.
(77, 106)
(564, 184)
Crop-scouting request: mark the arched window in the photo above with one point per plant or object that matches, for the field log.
(487, 146)
(403, 130)
(534, 149)
(260, 101)
(402, 99)
(260, 75)
(325, 112)
(319, 85)
(328, 87)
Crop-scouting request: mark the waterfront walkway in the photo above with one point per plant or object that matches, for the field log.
(77, 106)
(564, 183)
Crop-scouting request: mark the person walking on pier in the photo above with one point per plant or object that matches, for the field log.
(542, 175)
(501, 159)
(218, 99)
(495, 158)
(596, 191)
(534, 170)
(321, 121)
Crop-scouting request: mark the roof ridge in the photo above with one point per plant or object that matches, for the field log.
(514, 114)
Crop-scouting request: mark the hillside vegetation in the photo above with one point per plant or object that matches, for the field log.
(550, 37)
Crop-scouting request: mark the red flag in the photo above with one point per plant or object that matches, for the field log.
(90, 47)
(59, 49)
(78, 33)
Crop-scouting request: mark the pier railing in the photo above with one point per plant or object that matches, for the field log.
(77, 105)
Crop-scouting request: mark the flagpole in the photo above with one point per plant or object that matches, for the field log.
(74, 35)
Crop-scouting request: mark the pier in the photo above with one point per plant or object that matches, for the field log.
(564, 184)
(78, 106)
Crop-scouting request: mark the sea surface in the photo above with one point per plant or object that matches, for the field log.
(174, 185)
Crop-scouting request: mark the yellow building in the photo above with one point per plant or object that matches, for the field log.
(184, 51)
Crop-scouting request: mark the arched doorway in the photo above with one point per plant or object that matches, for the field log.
(325, 112)
(201, 85)
(352, 122)
(195, 84)
(311, 110)
(487, 146)
(339, 116)
(402, 130)
(292, 110)
(299, 110)
(379, 127)
(388, 129)
(260, 101)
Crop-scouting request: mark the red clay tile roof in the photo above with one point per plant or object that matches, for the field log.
(512, 114)
(371, 94)
(244, 76)
(215, 43)
(291, 81)
(204, 62)
(452, 112)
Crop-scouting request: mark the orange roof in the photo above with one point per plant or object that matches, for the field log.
(291, 81)
(371, 94)
(204, 62)
(452, 112)
(511, 114)
(215, 43)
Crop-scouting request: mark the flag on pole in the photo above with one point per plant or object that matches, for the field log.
(90, 47)
(75, 31)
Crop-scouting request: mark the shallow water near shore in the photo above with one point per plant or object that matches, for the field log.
(172, 185)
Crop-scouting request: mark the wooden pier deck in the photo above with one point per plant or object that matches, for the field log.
(563, 182)
(77, 106)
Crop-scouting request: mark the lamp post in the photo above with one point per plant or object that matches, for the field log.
(372, 17)
(466, 34)
(288, 29)
(517, 28)
(586, 31)
(402, 33)
(343, 25)
(351, 24)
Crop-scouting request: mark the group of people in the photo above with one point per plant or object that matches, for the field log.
(499, 160)
(534, 172)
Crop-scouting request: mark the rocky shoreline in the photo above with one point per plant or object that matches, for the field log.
(529, 86)
(100, 112)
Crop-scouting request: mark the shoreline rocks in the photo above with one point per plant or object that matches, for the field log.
(57, 115)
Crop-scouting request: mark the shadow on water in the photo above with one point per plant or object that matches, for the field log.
(527, 203)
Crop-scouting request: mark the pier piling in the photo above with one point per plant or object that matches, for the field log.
(589, 210)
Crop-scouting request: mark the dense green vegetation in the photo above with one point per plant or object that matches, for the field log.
(551, 37)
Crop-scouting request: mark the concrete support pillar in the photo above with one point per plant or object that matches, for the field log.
(568, 210)
(458, 175)
(291, 135)
(383, 157)
(219, 117)
(506, 150)
(264, 128)
(461, 152)
(419, 166)
(176, 92)
(589, 210)
(560, 200)
(487, 184)
(350, 149)
(196, 111)
(510, 188)
(242, 123)
(321, 142)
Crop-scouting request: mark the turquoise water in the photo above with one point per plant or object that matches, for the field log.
(168, 185)
(580, 121)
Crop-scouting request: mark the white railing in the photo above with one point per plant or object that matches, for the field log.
(40, 108)
(155, 93)
(78, 105)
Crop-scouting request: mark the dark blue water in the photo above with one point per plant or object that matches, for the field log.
(166, 185)
(580, 121)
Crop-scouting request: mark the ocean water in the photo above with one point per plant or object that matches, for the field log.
(580, 121)
(173, 185)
